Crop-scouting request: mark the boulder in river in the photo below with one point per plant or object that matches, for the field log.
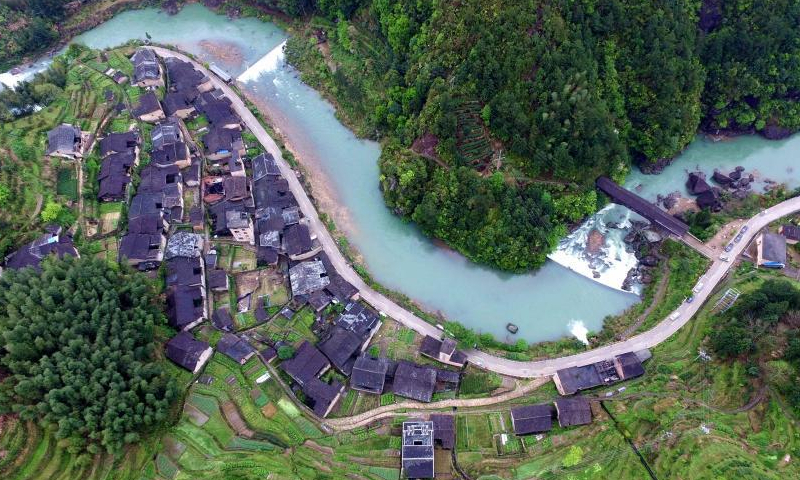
(697, 183)
(721, 178)
(652, 236)
(512, 328)
(735, 175)
(595, 242)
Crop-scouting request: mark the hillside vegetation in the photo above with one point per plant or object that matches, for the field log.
(498, 116)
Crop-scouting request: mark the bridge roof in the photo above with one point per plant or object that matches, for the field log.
(641, 206)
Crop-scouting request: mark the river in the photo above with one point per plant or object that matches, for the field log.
(546, 305)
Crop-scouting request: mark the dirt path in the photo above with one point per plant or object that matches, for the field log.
(408, 406)
(659, 296)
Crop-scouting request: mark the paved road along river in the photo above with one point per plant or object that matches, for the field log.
(532, 369)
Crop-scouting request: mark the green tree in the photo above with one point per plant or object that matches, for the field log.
(285, 352)
(78, 346)
(51, 211)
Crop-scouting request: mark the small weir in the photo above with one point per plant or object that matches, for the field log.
(268, 63)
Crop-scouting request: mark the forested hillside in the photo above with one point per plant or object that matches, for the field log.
(499, 115)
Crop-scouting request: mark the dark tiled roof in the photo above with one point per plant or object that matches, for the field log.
(154, 179)
(319, 299)
(184, 271)
(369, 374)
(141, 248)
(146, 203)
(306, 364)
(145, 65)
(266, 256)
(320, 395)
(341, 348)
(169, 155)
(270, 191)
(148, 103)
(221, 140)
(414, 381)
(221, 318)
(184, 350)
(791, 232)
(574, 379)
(146, 224)
(340, 288)
(63, 138)
(183, 75)
(267, 354)
(236, 188)
(118, 143)
(444, 430)
(297, 239)
(630, 365)
(774, 248)
(176, 101)
(264, 164)
(573, 411)
(359, 319)
(430, 346)
(32, 254)
(235, 347)
(532, 419)
(184, 306)
(217, 279)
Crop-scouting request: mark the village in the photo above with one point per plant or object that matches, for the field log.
(201, 208)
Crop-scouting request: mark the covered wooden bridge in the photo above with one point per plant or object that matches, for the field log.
(643, 207)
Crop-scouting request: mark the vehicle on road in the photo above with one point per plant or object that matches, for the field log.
(744, 229)
(698, 287)
(729, 247)
(724, 257)
(675, 315)
(690, 299)
(738, 238)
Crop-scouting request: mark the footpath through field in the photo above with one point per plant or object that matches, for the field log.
(531, 369)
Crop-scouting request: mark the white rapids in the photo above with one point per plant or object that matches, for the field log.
(611, 262)
(268, 63)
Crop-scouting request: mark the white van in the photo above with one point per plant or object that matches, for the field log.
(698, 287)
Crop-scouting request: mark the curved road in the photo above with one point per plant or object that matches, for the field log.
(539, 368)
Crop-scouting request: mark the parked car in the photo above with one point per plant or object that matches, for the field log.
(729, 247)
(690, 299)
(738, 238)
(744, 229)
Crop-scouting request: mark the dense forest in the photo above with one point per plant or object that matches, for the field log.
(78, 352)
(499, 115)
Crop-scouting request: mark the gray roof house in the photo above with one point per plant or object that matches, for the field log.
(417, 449)
(573, 411)
(64, 141)
(532, 419)
(54, 242)
(369, 374)
(146, 68)
(414, 381)
(236, 348)
(772, 251)
(307, 277)
(187, 352)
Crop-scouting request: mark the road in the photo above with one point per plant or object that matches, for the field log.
(532, 369)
